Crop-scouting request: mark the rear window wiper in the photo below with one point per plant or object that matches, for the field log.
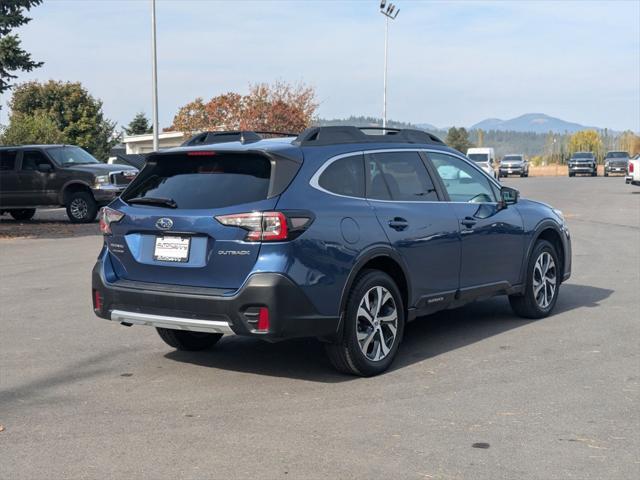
(162, 202)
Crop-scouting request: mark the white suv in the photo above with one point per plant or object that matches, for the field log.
(485, 158)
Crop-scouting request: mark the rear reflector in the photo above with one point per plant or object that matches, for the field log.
(263, 318)
(97, 300)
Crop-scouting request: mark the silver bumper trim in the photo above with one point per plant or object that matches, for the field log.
(174, 323)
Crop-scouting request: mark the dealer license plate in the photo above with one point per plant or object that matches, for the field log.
(172, 249)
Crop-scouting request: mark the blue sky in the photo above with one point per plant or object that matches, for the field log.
(451, 62)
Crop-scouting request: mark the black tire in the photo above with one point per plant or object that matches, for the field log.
(526, 305)
(571, 174)
(189, 341)
(81, 207)
(347, 355)
(606, 174)
(594, 173)
(23, 214)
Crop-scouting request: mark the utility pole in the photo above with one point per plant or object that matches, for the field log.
(154, 76)
(390, 13)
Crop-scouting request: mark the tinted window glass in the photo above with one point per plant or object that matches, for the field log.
(7, 160)
(206, 182)
(31, 160)
(399, 176)
(344, 177)
(463, 182)
(67, 156)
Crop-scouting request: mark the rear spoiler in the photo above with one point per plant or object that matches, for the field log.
(242, 136)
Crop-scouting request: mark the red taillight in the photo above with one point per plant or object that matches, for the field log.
(201, 153)
(107, 217)
(97, 300)
(261, 226)
(630, 167)
(263, 318)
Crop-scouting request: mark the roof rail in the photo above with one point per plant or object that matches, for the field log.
(318, 136)
(242, 136)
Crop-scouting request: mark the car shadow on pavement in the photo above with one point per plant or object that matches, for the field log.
(425, 338)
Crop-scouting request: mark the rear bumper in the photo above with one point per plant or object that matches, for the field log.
(291, 314)
(629, 179)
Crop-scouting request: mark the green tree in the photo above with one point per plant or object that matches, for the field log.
(139, 125)
(26, 129)
(71, 108)
(458, 138)
(12, 57)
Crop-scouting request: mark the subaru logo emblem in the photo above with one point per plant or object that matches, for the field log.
(164, 223)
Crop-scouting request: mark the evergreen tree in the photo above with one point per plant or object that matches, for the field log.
(139, 125)
(12, 57)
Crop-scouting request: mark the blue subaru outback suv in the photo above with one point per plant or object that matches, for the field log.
(339, 233)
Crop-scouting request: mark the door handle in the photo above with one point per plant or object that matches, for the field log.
(469, 222)
(398, 223)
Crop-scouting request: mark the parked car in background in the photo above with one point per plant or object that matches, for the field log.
(485, 158)
(334, 234)
(615, 162)
(583, 162)
(633, 171)
(135, 160)
(45, 176)
(516, 164)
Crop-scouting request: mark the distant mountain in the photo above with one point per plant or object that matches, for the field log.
(362, 121)
(530, 122)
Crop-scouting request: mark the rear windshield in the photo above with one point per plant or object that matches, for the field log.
(204, 182)
(479, 157)
(617, 155)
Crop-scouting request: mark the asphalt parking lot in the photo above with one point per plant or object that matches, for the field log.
(476, 393)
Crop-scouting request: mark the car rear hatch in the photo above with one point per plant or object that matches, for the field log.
(169, 233)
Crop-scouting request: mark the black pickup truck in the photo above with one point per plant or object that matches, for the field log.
(45, 176)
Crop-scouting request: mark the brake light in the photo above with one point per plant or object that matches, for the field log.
(630, 167)
(201, 153)
(260, 226)
(107, 217)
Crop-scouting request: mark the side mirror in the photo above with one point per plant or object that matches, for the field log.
(45, 168)
(509, 196)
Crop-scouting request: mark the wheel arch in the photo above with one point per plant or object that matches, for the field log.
(387, 260)
(549, 231)
(71, 187)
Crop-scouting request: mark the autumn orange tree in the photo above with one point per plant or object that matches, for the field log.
(280, 107)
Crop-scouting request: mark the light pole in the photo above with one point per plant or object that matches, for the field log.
(390, 13)
(154, 77)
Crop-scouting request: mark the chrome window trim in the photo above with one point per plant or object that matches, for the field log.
(314, 181)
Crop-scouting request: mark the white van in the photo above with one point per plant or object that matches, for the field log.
(485, 158)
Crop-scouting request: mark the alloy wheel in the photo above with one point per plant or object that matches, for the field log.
(544, 280)
(377, 323)
(79, 208)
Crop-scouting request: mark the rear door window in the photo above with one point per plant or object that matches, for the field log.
(344, 177)
(205, 182)
(399, 176)
(32, 158)
(8, 160)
